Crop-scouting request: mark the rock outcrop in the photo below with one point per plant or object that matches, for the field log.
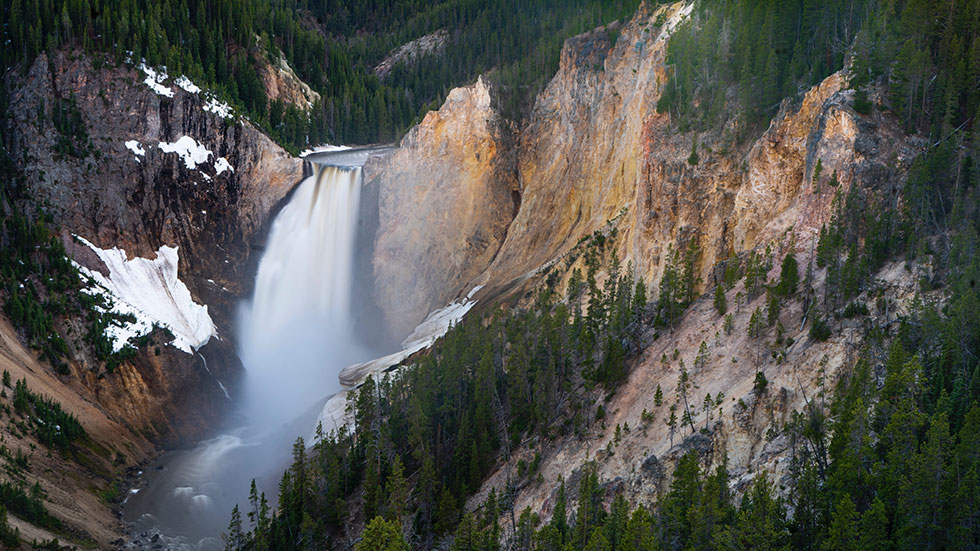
(445, 200)
(152, 169)
(431, 44)
(282, 84)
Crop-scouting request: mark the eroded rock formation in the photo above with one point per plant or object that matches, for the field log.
(126, 190)
(445, 199)
(597, 156)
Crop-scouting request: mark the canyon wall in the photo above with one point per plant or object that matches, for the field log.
(161, 163)
(596, 156)
(445, 199)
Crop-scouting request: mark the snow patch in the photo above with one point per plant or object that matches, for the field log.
(118, 333)
(154, 80)
(218, 107)
(189, 149)
(186, 84)
(221, 164)
(432, 328)
(150, 291)
(136, 148)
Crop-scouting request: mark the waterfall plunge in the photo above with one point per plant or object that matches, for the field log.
(296, 335)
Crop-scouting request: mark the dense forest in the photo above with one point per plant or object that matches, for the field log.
(889, 460)
(924, 50)
(333, 45)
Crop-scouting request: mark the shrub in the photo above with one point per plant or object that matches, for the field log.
(855, 309)
(861, 102)
(693, 159)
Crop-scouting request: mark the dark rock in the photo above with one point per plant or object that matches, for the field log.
(114, 199)
(653, 468)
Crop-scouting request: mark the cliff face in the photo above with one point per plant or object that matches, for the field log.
(596, 156)
(594, 152)
(581, 153)
(158, 166)
(445, 199)
(281, 83)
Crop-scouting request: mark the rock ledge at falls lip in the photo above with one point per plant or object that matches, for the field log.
(434, 326)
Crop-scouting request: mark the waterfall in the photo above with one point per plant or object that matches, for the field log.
(296, 334)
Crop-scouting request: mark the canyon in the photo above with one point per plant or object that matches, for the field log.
(469, 209)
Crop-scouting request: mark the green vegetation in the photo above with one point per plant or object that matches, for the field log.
(27, 504)
(490, 384)
(383, 535)
(332, 45)
(52, 425)
(72, 133)
(9, 537)
(789, 276)
(34, 300)
(720, 302)
(679, 284)
(922, 50)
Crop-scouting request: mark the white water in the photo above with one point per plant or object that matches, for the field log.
(296, 335)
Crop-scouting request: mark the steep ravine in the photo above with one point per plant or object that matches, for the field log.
(596, 156)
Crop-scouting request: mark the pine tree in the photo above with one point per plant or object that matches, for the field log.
(683, 385)
(873, 533)
(559, 515)
(693, 158)
(382, 535)
(843, 533)
(689, 275)
(760, 523)
(234, 539)
(721, 303)
(397, 490)
(789, 276)
(598, 542)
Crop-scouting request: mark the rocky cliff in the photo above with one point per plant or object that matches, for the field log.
(151, 161)
(596, 156)
(445, 199)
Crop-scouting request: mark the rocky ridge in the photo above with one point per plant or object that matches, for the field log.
(597, 157)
